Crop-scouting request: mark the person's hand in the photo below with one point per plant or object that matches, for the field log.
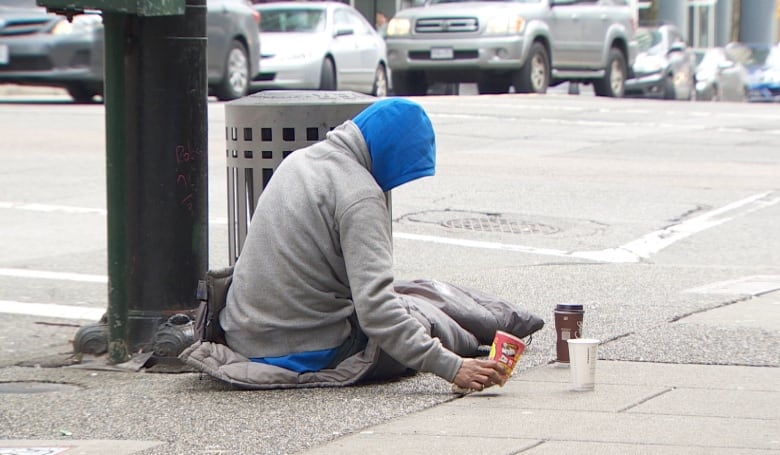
(478, 374)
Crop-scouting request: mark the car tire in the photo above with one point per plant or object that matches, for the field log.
(379, 88)
(82, 93)
(715, 93)
(409, 83)
(534, 76)
(613, 84)
(745, 95)
(328, 75)
(235, 78)
(493, 84)
(669, 92)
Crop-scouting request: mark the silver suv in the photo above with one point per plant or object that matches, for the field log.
(528, 44)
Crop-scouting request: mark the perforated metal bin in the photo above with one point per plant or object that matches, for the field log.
(261, 130)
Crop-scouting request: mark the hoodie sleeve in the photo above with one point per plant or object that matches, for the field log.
(365, 235)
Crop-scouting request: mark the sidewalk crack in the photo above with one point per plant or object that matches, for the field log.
(645, 400)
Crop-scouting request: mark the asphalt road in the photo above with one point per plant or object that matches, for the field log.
(644, 211)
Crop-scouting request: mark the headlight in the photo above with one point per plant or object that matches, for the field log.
(83, 23)
(649, 64)
(500, 25)
(399, 26)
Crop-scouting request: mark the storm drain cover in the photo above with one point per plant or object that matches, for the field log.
(490, 223)
(481, 222)
(36, 387)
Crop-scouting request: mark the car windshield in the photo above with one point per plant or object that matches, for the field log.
(708, 61)
(650, 41)
(19, 3)
(292, 20)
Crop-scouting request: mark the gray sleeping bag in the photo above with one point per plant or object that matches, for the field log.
(463, 319)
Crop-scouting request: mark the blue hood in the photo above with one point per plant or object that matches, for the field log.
(400, 140)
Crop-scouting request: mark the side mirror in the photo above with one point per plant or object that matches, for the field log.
(677, 46)
(345, 32)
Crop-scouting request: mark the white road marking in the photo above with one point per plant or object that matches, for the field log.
(50, 208)
(634, 251)
(51, 310)
(750, 285)
(81, 277)
(73, 209)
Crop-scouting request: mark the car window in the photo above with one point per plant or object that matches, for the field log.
(709, 60)
(650, 41)
(292, 20)
(343, 20)
(340, 19)
(357, 23)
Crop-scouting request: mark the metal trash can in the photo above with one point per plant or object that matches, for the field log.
(261, 130)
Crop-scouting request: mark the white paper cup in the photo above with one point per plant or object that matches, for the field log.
(582, 358)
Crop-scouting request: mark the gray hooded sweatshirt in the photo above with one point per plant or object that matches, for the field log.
(319, 247)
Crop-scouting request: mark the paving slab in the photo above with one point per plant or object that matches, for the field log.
(637, 407)
(760, 312)
(75, 447)
(368, 442)
(616, 448)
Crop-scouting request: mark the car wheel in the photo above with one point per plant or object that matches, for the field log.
(235, 79)
(614, 82)
(81, 93)
(534, 76)
(380, 82)
(492, 84)
(745, 95)
(328, 75)
(715, 94)
(668, 88)
(409, 83)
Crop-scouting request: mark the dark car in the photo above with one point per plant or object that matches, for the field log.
(664, 67)
(44, 49)
(762, 62)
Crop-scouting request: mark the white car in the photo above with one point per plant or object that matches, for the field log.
(319, 46)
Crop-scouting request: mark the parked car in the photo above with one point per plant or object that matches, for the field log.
(762, 62)
(320, 46)
(718, 77)
(527, 44)
(664, 67)
(44, 49)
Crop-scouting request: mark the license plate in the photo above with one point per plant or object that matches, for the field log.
(442, 53)
(4, 59)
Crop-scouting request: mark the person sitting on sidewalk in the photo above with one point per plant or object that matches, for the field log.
(313, 289)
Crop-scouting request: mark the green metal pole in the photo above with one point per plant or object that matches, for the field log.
(116, 183)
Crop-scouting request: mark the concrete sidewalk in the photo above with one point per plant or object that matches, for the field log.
(637, 407)
(646, 408)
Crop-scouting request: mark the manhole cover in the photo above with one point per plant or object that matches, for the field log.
(36, 387)
(498, 224)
